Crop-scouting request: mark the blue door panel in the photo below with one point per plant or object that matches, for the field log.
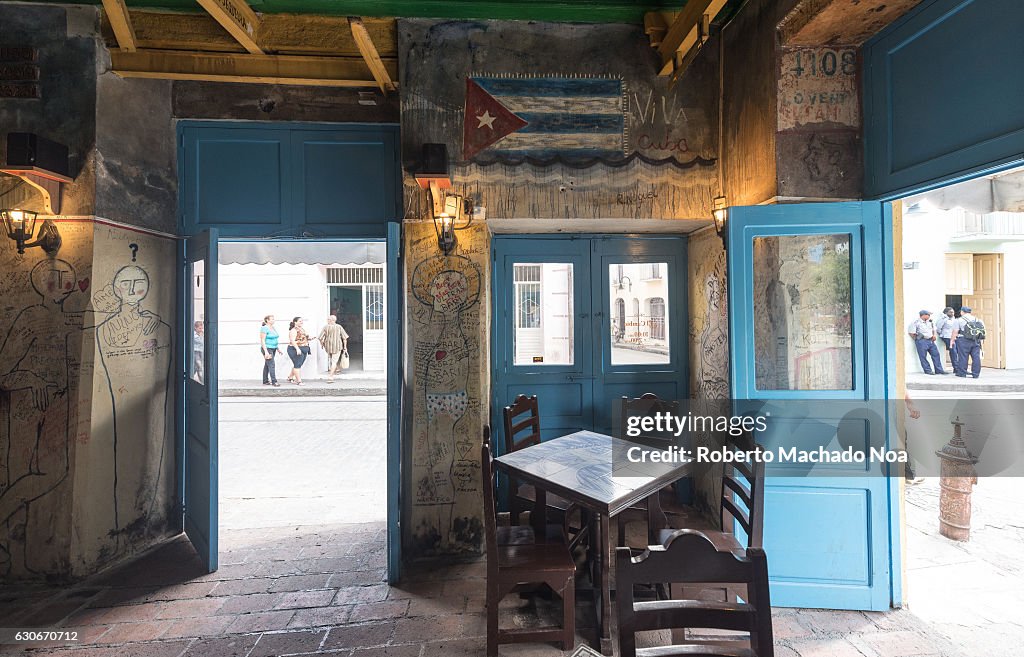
(395, 319)
(829, 539)
(256, 179)
(813, 547)
(244, 179)
(933, 114)
(199, 496)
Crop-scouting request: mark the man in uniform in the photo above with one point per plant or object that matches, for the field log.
(968, 332)
(922, 330)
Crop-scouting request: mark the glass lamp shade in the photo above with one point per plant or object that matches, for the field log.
(19, 224)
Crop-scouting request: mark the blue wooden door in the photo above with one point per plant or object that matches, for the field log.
(542, 319)
(200, 412)
(395, 350)
(581, 321)
(811, 326)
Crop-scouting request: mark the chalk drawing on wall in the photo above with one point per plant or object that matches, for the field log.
(131, 334)
(713, 366)
(35, 375)
(448, 287)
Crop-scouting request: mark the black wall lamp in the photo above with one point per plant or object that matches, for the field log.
(21, 226)
(446, 209)
(720, 213)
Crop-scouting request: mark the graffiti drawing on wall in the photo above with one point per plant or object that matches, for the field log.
(131, 334)
(713, 340)
(36, 369)
(448, 287)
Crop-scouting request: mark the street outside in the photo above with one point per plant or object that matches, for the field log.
(302, 461)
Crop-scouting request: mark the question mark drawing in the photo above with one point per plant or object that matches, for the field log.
(135, 249)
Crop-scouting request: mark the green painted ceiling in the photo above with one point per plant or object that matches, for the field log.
(575, 11)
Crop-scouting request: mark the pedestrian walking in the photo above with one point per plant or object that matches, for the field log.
(922, 330)
(269, 338)
(968, 334)
(944, 325)
(334, 339)
(298, 348)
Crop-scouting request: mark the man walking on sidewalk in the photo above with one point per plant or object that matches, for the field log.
(334, 340)
(922, 330)
(968, 332)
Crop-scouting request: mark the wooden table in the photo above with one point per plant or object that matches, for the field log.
(592, 470)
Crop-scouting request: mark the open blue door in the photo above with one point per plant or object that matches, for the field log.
(811, 330)
(200, 412)
(395, 351)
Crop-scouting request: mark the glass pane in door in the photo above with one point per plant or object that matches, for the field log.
(197, 371)
(543, 313)
(802, 304)
(638, 299)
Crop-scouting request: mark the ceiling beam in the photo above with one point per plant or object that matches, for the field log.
(369, 52)
(687, 31)
(121, 22)
(238, 18)
(261, 69)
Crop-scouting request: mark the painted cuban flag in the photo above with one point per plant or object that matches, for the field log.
(544, 117)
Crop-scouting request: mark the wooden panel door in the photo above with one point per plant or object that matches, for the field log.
(987, 304)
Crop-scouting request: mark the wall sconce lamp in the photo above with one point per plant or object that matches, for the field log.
(720, 213)
(446, 209)
(21, 226)
(628, 279)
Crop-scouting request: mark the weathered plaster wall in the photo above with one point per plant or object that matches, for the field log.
(446, 362)
(44, 401)
(125, 461)
(666, 139)
(709, 346)
(65, 111)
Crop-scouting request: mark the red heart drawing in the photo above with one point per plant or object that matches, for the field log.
(439, 355)
(83, 284)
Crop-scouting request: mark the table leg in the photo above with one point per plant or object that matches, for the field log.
(604, 618)
(539, 514)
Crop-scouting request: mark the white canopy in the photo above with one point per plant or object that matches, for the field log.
(302, 252)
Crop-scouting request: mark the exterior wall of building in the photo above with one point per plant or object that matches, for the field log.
(931, 233)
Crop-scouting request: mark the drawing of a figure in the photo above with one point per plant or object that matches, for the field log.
(448, 286)
(128, 338)
(34, 382)
(713, 382)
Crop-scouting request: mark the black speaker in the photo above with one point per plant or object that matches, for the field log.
(25, 149)
(434, 162)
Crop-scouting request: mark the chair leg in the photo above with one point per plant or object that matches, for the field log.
(569, 615)
(492, 621)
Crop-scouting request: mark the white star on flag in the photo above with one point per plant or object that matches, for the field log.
(486, 119)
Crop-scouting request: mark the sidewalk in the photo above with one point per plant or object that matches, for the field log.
(359, 384)
(992, 380)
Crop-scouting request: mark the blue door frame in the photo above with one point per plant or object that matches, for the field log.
(581, 395)
(832, 541)
(360, 160)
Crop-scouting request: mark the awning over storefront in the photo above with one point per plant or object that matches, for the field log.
(998, 193)
(306, 253)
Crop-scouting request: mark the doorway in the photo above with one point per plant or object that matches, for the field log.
(582, 321)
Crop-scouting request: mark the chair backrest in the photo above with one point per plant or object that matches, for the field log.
(646, 404)
(522, 423)
(689, 557)
(490, 511)
(743, 492)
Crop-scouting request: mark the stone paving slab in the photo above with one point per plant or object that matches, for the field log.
(164, 605)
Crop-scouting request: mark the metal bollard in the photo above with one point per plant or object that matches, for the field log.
(957, 475)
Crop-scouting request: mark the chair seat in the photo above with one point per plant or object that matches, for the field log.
(535, 558)
(525, 535)
(723, 541)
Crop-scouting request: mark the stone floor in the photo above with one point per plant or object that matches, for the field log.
(321, 590)
(971, 592)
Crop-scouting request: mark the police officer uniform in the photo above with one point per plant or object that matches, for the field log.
(966, 347)
(922, 330)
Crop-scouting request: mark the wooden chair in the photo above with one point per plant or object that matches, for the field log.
(522, 430)
(690, 557)
(742, 500)
(644, 405)
(520, 566)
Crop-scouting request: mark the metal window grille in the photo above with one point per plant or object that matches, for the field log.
(374, 320)
(355, 275)
(657, 318)
(527, 290)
